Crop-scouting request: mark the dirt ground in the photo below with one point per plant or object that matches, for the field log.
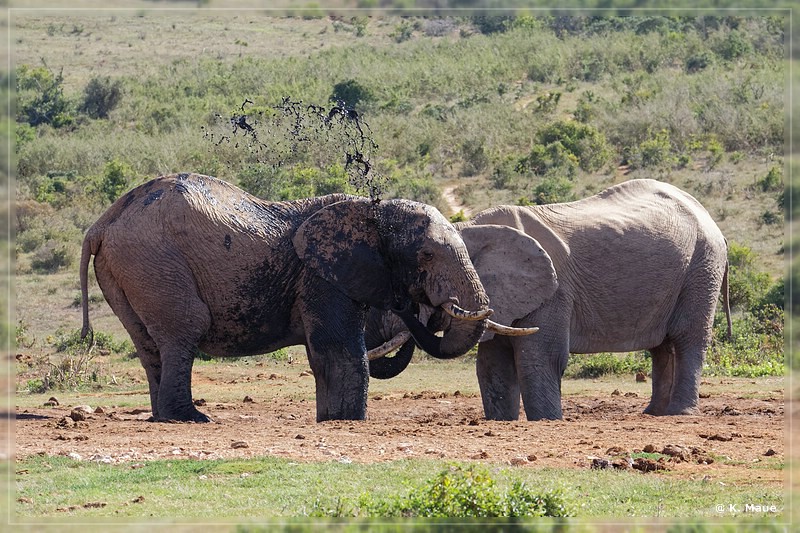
(730, 436)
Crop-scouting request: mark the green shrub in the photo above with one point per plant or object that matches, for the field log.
(596, 365)
(734, 45)
(470, 492)
(546, 159)
(41, 97)
(583, 141)
(773, 181)
(351, 93)
(100, 97)
(403, 32)
(52, 256)
(655, 152)
(699, 61)
(755, 349)
(65, 342)
(747, 285)
(474, 155)
(115, 180)
(458, 217)
(553, 189)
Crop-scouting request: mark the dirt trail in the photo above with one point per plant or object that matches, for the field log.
(453, 202)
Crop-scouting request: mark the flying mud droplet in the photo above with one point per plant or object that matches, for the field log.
(293, 132)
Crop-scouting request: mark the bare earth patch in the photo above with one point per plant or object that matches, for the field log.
(730, 437)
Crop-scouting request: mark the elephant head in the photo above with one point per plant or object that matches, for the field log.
(496, 253)
(395, 255)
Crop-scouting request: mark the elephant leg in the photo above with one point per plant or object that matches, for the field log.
(171, 320)
(685, 390)
(691, 330)
(146, 348)
(336, 352)
(540, 365)
(663, 357)
(497, 378)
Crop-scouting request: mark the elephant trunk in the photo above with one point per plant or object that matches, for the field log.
(389, 367)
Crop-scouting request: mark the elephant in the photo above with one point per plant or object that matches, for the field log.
(189, 262)
(639, 266)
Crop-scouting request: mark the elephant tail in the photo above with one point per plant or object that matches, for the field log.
(726, 303)
(91, 243)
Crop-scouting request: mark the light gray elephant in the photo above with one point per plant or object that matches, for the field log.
(637, 266)
(188, 261)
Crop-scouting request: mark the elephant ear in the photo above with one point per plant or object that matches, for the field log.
(341, 244)
(516, 272)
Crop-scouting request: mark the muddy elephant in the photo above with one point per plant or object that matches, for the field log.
(639, 266)
(191, 262)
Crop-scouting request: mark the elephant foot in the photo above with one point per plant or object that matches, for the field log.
(192, 415)
(672, 410)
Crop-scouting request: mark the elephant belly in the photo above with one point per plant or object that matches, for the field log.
(245, 330)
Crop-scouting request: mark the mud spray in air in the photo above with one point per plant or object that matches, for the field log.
(293, 132)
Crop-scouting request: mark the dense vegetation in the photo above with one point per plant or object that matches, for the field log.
(505, 109)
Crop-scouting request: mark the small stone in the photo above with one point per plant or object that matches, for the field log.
(721, 438)
(300, 437)
(77, 415)
(649, 449)
(240, 444)
(248, 399)
(616, 392)
(631, 395)
(138, 499)
(480, 455)
(200, 402)
(770, 453)
(641, 377)
(305, 373)
(99, 410)
(53, 399)
(275, 376)
(519, 461)
(531, 457)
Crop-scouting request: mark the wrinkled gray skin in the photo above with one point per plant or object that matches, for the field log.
(639, 266)
(190, 262)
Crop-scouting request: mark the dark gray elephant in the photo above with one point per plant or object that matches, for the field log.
(638, 266)
(190, 262)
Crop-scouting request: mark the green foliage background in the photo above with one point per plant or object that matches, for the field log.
(516, 108)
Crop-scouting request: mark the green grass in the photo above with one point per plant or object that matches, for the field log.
(265, 488)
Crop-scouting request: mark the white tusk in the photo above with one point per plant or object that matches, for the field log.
(389, 346)
(456, 312)
(508, 330)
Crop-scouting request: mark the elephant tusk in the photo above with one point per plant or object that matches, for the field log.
(508, 330)
(389, 346)
(456, 312)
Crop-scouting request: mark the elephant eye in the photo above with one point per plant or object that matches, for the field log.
(426, 256)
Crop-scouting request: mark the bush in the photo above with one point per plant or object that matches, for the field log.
(747, 286)
(100, 97)
(773, 181)
(351, 93)
(596, 365)
(41, 97)
(553, 190)
(655, 152)
(115, 179)
(583, 141)
(71, 342)
(52, 257)
(470, 492)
